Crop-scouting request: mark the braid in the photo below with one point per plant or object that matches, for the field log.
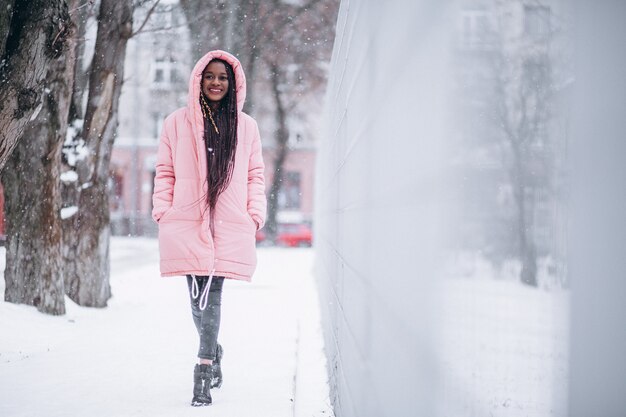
(220, 147)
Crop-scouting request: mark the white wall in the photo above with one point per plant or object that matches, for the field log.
(379, 210)
(403, 336)
(598, 230)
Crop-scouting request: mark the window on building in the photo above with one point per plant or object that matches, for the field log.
(475, 28)
(158, 75)
(290, 195)
(162, 17)
(175, 75)
(165, 72)
(157, 124)
(536, 21)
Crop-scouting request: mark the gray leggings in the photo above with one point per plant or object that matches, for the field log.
(207, 321)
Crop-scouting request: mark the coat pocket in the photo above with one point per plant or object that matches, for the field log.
(236, 242)
(183, 239)
(187, 203)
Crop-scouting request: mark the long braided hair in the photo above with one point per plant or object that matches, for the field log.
(220, 137)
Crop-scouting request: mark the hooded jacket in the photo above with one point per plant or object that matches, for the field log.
(186, 243)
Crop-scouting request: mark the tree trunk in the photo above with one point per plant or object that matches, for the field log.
(525, 204)
(251, 47)
(37, 34)
(282, 136)
(528, 251)
(207, 22)
(229, 28)
(88, 277)
(34, 268)
(70, 191)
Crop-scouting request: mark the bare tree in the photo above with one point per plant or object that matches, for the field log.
(44, 263)
(282, 145)
(523, 116)
(32, 34)
(250, 28)
(87, 277)
(208, 21)
(522, 103)
(510, 128)
(33, 274)
(216, 24)
(295, 69)
(83, 12)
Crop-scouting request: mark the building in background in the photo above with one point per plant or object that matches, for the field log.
(157, 67)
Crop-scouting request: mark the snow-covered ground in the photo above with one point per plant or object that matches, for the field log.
(504, 348)
(136, 357)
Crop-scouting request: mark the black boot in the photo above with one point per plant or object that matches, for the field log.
(201, 381)
(216, 368)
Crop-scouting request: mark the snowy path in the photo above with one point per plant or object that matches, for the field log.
(505, 349)
(136, 357)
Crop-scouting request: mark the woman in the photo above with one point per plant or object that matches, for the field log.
(209, 200)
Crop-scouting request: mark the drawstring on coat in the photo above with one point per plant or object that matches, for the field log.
(195, 290)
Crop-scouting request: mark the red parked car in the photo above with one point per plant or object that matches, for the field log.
(294, 234)
(290, 234)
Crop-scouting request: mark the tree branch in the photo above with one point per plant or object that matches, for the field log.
(291, 18)
(87, 3)
(138, 31)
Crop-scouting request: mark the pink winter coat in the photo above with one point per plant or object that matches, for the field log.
(180, 206)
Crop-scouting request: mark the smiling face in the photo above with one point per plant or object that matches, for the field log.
(215, 81)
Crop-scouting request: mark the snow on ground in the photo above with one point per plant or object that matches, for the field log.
(136, 357)
(505, 349)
